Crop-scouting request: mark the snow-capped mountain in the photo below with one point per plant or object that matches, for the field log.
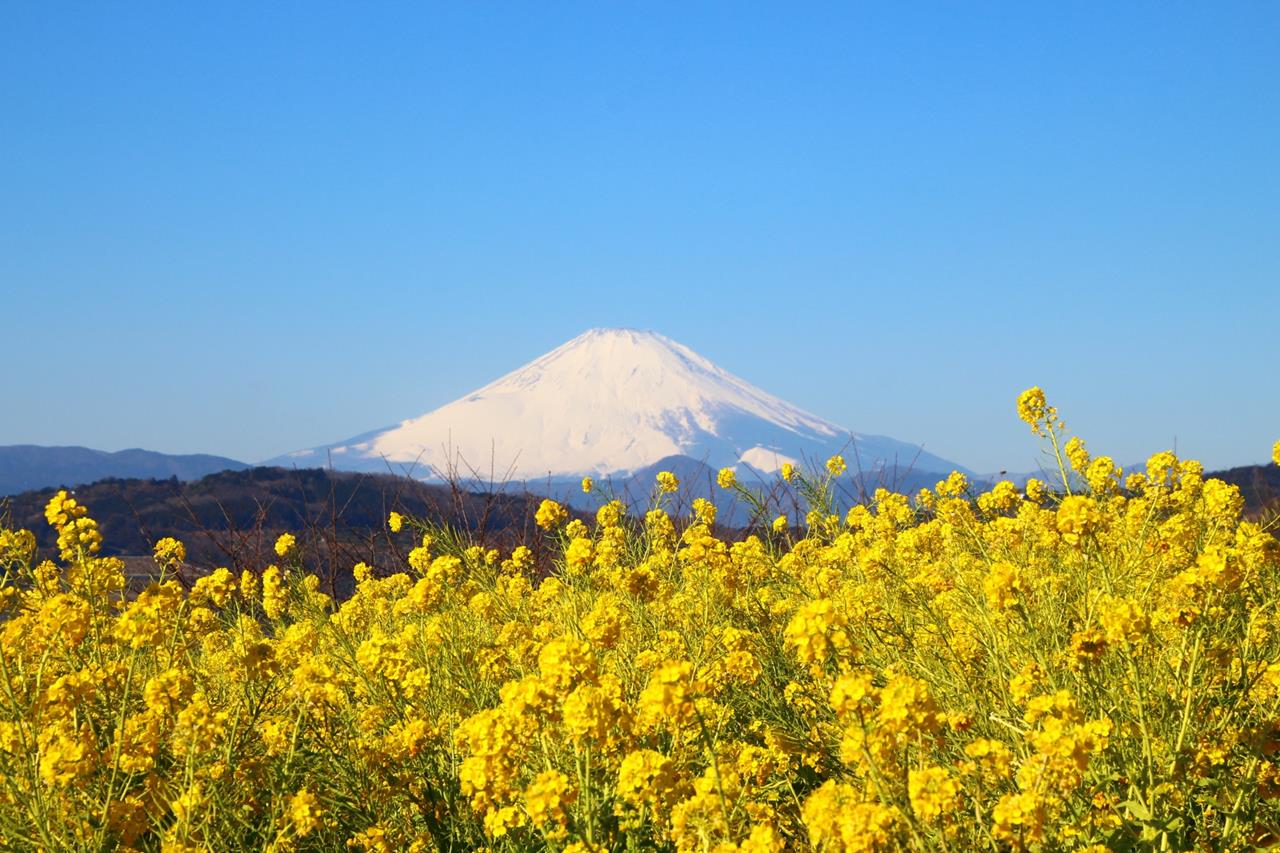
(609, 403)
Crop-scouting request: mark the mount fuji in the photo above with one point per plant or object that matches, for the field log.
(612, 403)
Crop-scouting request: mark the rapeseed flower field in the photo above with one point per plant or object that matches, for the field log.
(1089, 664)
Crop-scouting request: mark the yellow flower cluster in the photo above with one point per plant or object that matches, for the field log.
(286, 544)
(1088, 666)
(551, 515)
(667, 482)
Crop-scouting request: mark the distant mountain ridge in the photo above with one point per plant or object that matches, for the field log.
(24, 467)
(611, 403)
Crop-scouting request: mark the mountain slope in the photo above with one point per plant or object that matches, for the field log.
(609, 403)
(29, 466)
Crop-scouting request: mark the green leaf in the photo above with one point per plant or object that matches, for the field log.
(1137, 810)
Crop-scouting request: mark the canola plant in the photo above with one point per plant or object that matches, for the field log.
(1092, 665)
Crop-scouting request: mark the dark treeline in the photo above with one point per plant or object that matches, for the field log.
(233, 518)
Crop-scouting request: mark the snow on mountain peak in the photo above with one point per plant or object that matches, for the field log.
(640, 376)
(610, 402)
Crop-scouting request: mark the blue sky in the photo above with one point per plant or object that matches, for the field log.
(250, 229)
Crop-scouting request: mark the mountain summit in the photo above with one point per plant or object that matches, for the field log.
(608, 403)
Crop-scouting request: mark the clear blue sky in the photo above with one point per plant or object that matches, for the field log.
(249, 229)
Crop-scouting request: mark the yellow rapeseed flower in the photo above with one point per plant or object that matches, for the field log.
(704, 510)
(273, 594)
(546, 797)
(933, 793)
(550, 515)
(669, 696)
(286, 544)
(170, 553)
(1034, 410)
(1035, 490)
(304, 812)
